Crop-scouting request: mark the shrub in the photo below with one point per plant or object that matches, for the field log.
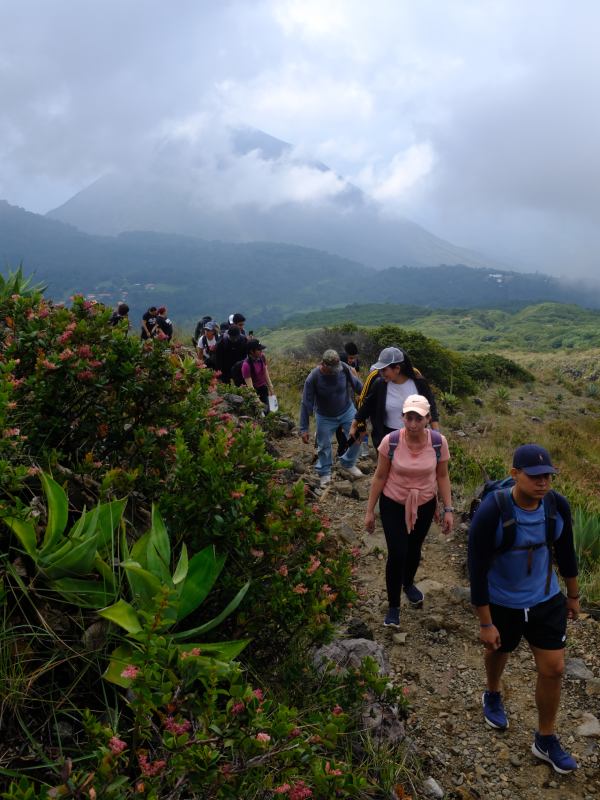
(441, 367)
(112, 416)
(491, 368)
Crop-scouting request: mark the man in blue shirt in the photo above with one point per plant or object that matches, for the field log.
(516, 593)
(328, 391)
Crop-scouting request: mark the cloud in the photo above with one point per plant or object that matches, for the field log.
(478, 120)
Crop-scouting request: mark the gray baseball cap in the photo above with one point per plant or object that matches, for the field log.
(331, 359)
(389, 355)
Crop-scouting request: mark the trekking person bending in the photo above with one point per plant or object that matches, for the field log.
(516, 593)
(412, 466)
(256, 374)
(326, 392)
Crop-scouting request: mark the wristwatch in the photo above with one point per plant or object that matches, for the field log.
(448, 509)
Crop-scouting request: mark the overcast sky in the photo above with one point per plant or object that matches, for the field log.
(478, 119)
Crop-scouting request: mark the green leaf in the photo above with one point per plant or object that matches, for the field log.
(144, 585)
(109, 518)
(208, 626)
(25, 532)
(86, 594)
(159, 537)
(181, 570)
(58, 510)
(78, 561)
(156, 565)
(89, 527)
(203, 570)
(106, 572)
(120, 658)
(124, 615)
(139, 549)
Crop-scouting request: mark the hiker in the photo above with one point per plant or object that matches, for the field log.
(350, 356)
(149, 323)
(256, 374)
(207, 344)
(412, 467)
(383, 397)
(122, 313)
(326, 392)
(230, 350)
(238, 320)
(164, 327)
(516, 593)
(200, 328)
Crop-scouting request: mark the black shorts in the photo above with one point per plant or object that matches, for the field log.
(543, 626)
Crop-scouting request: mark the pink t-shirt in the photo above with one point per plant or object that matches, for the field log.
(412, 476)
(260, 373)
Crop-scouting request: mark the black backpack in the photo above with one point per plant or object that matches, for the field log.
(236, 371)
(502, 495)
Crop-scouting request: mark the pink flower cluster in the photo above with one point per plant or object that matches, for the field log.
(331, 771)
(116, 745)
(283, 570)
(262, 737)
(149, 769)
(313, 566)
(299, 791)
(257, 553)
(195, 651)
(130, 672)
(300, 588)
(238, 708)
(177, 728)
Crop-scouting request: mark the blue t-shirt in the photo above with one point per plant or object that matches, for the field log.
(510, 581)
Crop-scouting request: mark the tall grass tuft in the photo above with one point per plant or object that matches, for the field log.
(586, 531)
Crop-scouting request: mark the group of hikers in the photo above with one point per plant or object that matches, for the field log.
(226, 348)
(235, 355)
(520, 527)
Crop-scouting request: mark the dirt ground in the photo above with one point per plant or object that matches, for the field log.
(438, 657)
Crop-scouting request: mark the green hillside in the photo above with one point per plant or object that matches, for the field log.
(541, 327)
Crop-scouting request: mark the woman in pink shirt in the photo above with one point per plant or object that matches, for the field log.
(406, 486)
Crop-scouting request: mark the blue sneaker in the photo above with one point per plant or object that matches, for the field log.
(548, 749)
(392, 618)
(414, 596)
(493, 710)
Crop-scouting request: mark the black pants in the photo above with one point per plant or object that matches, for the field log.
(263, 394)
(404, 549)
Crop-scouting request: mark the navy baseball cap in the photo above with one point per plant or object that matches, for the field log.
(533, 460)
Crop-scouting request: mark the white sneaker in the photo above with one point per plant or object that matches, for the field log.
(324, 480)
(354, 472)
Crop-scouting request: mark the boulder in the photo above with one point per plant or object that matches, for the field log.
(349, 654)
(576, 668)
(590, 726)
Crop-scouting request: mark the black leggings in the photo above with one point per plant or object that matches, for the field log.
(404, 549)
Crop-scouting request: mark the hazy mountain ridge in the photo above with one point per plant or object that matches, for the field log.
(192, 192)
(268, 281)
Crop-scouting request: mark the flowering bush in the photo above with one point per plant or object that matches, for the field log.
(112, 416)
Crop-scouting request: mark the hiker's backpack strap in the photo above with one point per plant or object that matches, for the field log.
(503, 498)
(550, 517)
(393, 444)
(436, 443)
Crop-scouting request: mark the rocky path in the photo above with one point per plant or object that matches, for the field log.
(438, 657)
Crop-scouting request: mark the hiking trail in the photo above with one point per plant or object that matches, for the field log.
(438, 657)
